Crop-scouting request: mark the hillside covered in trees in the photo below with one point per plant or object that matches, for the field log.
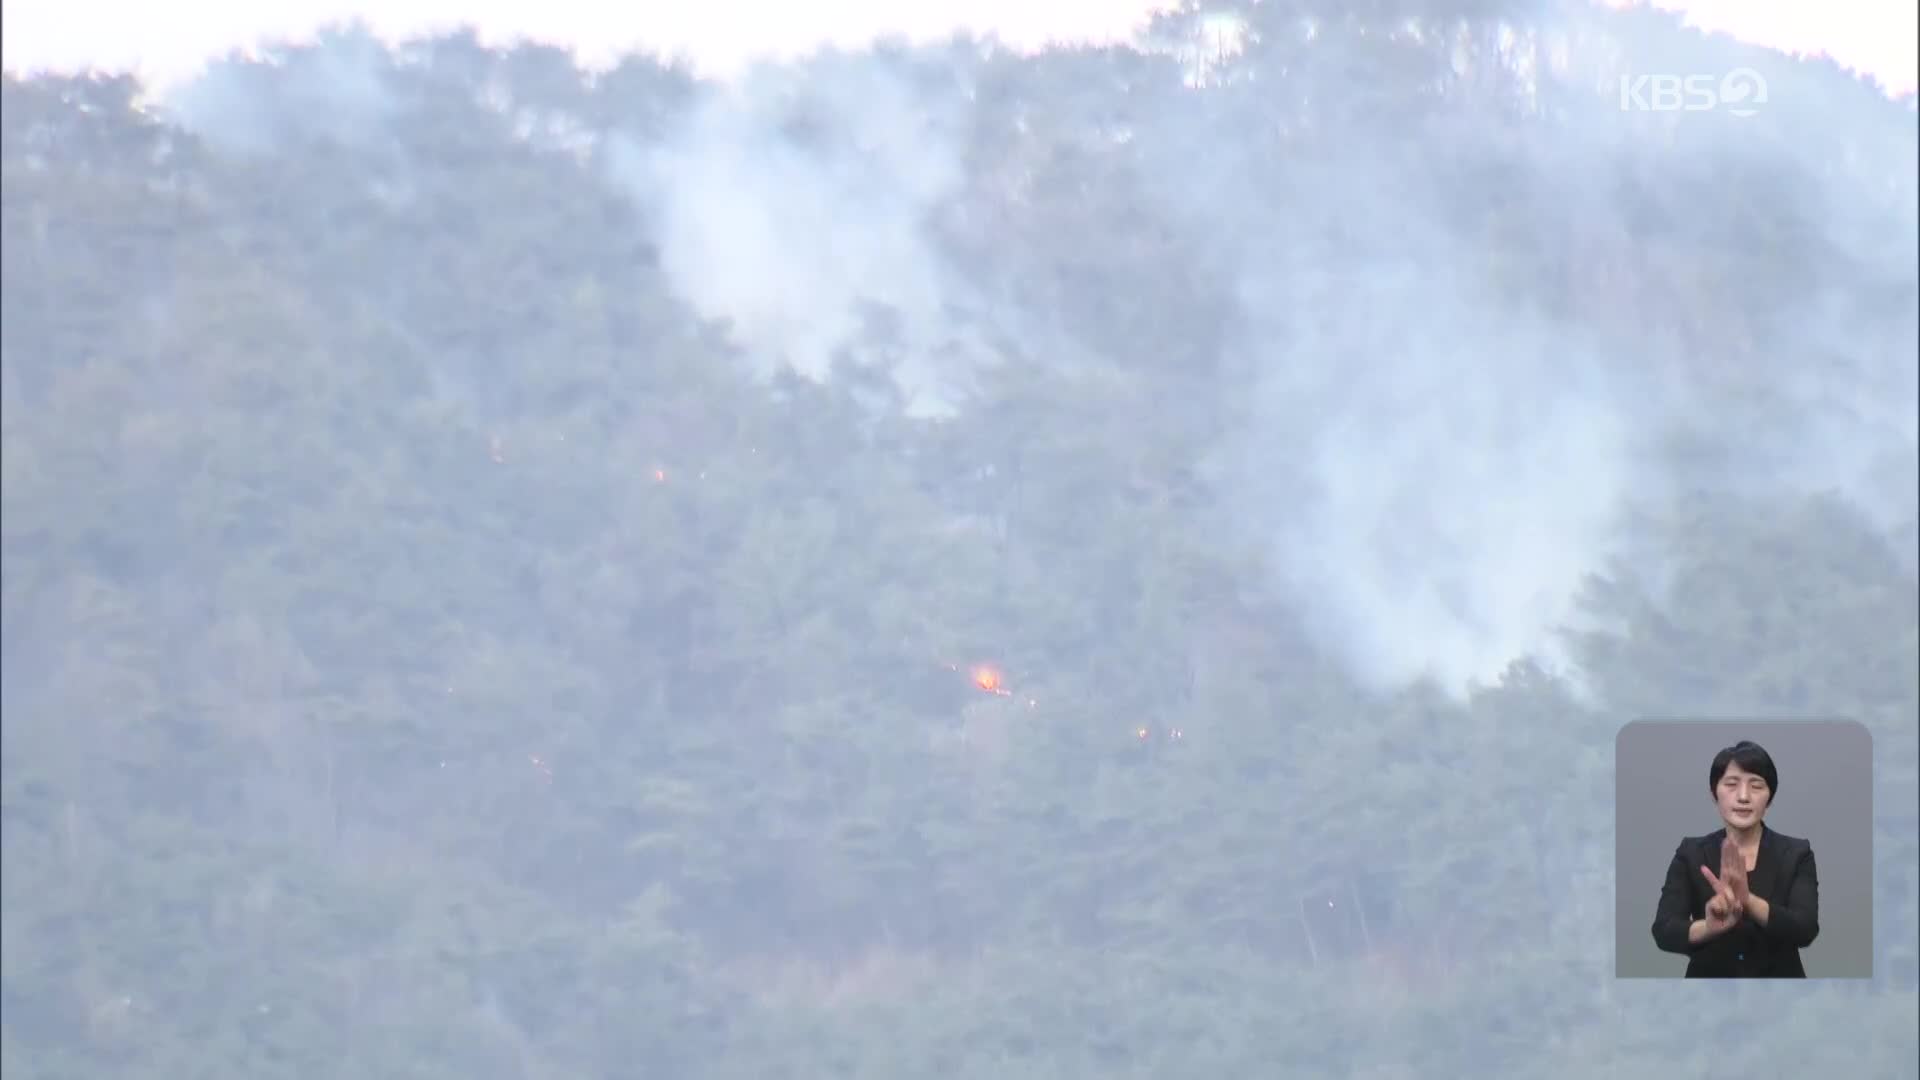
(935, 562)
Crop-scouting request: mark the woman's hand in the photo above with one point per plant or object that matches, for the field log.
(1723, 910)
(1721, 917)
(1733, 874)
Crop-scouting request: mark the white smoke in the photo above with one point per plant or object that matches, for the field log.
(794, 204)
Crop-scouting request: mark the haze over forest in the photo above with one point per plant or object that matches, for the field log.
(935, 561)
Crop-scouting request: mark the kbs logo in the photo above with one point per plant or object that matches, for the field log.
(1739, 92)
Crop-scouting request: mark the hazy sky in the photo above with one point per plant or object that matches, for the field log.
(166, 41)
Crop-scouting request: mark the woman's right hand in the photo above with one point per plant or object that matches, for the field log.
(1722, 912)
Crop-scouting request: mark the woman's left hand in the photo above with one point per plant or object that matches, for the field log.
(1733, 873)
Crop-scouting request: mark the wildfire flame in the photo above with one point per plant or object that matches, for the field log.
(988, 679)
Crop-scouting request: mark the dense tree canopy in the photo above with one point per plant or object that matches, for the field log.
(1114, 562)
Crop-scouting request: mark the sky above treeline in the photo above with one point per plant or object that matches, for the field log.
(168, 42)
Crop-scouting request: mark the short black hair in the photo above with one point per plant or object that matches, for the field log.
(1751, 757)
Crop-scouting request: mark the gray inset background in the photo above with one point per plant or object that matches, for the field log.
(1660, 796)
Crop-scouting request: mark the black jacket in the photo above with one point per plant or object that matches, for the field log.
(1783, 875)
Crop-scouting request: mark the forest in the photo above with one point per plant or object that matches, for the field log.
(936, 560)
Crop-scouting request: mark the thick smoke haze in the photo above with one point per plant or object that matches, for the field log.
(936, 561)
(1434, 487)
(1435, 452)
(1440, 460)
(334, 90)
(796, 203)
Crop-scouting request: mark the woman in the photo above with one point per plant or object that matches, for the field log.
(1742, 901)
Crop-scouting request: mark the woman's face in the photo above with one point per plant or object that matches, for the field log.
(1742, 798)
